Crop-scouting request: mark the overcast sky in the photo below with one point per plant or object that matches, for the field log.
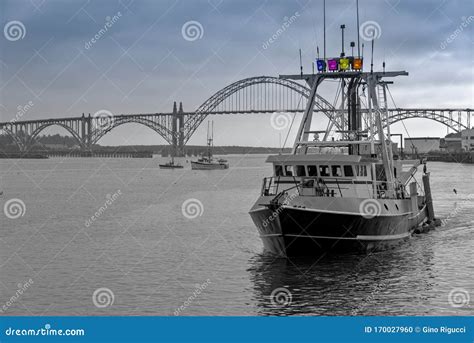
(143, 62)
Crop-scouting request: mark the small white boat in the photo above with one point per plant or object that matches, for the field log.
(207, 161)
(171, 165)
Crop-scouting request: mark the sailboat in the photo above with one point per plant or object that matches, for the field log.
(171, 164)
(207, 160)
(345, 193)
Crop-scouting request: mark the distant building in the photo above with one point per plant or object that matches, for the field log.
(467, 139)
(364, 148)
(451, 143)
(421, 145)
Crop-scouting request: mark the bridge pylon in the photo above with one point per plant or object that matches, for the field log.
(177, 130)
(86, 132)
(181, 119)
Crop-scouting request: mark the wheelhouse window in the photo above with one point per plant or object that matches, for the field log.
(324, 170)
(289, 170)
(278, 170)
(312, 171)
(300, 171)
(336, 171)
(348, 171)
(361, 170)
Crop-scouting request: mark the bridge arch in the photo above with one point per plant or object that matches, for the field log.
(15, 137)
(437, 116)
(100, 130)
(33, 135)
(225, 93)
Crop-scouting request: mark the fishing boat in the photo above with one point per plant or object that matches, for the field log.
(171, 165)
(207, 160)
(346, 192)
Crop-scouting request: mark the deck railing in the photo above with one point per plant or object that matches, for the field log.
(326, 186)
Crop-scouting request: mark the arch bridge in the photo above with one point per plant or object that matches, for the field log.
(255, 95)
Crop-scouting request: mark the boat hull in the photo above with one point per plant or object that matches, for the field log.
(164, 166)
(208, 166)
(299, 230)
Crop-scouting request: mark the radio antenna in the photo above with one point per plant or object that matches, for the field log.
(324, 27)
(342, 40)
(358, 33)
(372, 57)
(301, 64)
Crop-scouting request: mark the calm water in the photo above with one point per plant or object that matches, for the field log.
(157, 261)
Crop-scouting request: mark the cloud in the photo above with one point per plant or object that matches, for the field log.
(143, 64)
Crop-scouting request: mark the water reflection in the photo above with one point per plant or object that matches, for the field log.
(394, 282)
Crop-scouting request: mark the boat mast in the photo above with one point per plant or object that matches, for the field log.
(372, 82)
(308, 114)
